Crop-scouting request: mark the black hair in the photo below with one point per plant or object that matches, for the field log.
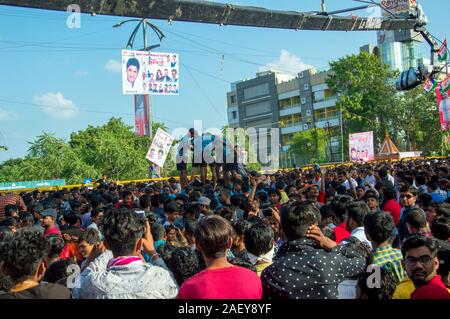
(390, 193)
(27, 218)
(379, 226)
(171, 207)
(297, 218)
(96, 211)
(440, 228)
(193, 209)
(274, 191)
(9, 222)
(442, 209)
(279, 185)
(258, 239)
(236, 200)
(184, 264)
(55, 245)
(409, 189)
(155, 200)
(9, 209)
(165, 252)
(190, 226)
(433, 185)
(416, 218)
(23, 253)
(357, 211)
(145, 201)
(385, 289)
(134, 62)
(225, 212)
(5, 283)
(416, 241)
(121, 230)
(420, 180)
(241, 226)
(158, 231)
(241, 262)
(72, 218)
(340, 204)
(91, 236)
(262, 196)
(326, 212)
(124, 194)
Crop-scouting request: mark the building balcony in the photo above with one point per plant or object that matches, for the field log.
(291, 110)
(292, 128)
(325, 104)
(329, 122)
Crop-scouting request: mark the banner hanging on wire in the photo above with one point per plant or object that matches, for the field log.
(150, 73)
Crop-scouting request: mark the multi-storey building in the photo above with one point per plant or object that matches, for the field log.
(290, 104)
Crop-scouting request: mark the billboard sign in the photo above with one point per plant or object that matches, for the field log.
(31, 184)
(153, 73)
(361, 147)
(162, 142)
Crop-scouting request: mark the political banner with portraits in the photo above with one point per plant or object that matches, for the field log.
(443, 101)
(361, 147)
(160, 148)
(154, 73)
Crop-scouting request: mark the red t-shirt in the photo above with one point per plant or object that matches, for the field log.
(224, 283)
(341, 233)
(51, 231)
(434, 289)
(393, 208)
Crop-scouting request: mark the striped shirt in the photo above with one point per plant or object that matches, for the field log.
(390, 259)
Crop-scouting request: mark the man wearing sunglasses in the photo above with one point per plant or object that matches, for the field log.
(408, 198)
(421, 264)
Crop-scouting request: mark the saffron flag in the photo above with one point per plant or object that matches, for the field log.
(443, 52)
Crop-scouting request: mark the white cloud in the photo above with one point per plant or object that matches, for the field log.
(81, 73)
(7, 115)
(287, 63)
(113, 66)
(56, 105)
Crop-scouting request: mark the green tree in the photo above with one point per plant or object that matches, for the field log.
(365, 93)
(112, 149)
(415, 118)
(310, 145)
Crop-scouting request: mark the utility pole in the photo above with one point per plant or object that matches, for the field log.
(324, 6)
(342, 135)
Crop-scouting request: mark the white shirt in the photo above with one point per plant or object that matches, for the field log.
(359, 233)
(347, 184)
(370, 179)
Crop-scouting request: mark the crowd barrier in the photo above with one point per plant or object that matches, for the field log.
(310, 166)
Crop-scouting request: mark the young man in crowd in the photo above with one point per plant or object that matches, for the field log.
(126, 275)
(378, 227)
(421, 264)
(23, 262)
(220, 279)
(49, 216)
(302, 270)
(260, 244)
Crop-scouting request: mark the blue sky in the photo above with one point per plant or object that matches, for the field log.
(76, 70)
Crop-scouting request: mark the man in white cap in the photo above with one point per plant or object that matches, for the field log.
(204, 203)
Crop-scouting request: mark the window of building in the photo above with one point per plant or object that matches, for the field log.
(327, 113)
(289, 102)
(233, 99)
(290, 120)
(258, 108)
(234, 115)
(255, 91)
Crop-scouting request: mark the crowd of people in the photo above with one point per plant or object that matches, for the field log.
(378, 230)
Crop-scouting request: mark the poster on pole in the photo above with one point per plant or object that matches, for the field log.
(443, 101)
(153, 73)
(160, 148)
(361, 147)
(141, 108)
